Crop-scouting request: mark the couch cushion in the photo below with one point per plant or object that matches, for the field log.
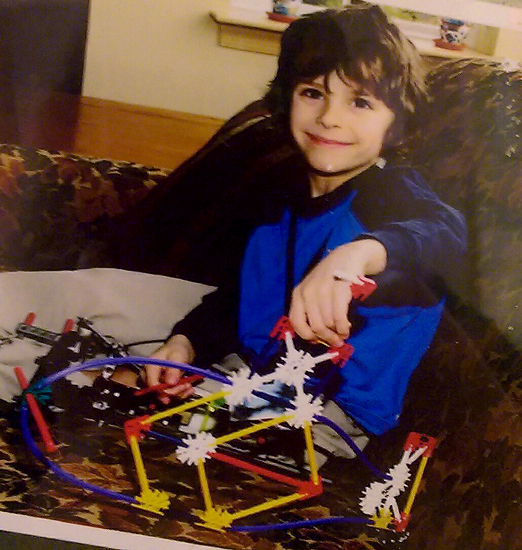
(51, 202)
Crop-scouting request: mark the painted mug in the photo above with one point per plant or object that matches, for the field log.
(286, 7)
(453, 32)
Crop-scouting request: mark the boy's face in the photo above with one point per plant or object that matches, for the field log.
(340, 128)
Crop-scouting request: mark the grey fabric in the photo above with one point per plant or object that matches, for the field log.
(325, 438)
(127, 305)
(327, 441)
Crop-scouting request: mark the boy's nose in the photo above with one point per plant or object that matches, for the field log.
(329, 117)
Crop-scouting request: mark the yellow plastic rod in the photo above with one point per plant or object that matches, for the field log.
(203, 481)
(266, 506)
(138, 461)
(208, 412)
(415, 486)
(252, 429)
(185, 407)
(311, 453)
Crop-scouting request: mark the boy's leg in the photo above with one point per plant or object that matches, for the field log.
(328, 442)
(325, 438)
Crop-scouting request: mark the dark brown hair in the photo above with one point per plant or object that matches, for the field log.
(359, 44)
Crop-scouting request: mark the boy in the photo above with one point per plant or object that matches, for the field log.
(347, 88)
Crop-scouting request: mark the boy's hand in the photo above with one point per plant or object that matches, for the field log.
(178, 349)
(320, 303)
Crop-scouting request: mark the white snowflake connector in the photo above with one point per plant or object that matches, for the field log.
(306, 408)
(296, 364)
(197, 448)
(382, 495)
(242, 387)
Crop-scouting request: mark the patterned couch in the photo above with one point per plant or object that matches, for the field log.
(56, 211)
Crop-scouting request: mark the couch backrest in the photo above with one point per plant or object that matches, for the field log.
(470, 149)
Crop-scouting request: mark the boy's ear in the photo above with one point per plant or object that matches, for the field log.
(394, 134)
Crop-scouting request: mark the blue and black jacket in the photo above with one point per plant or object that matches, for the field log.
(424, 239)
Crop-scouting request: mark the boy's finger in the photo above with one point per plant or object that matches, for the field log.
(341, 300)
(172, 375)
(190, 391)
(330, 337)
(153, 373)
(325, 306)
(319, 327)
(177, 390)
(297, 317)
(181, 391)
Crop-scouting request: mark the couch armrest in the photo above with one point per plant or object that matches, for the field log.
(51, 202)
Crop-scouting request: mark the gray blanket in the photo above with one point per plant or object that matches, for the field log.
(127, 305)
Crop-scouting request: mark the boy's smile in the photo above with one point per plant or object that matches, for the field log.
(339, 128)
(318, 140)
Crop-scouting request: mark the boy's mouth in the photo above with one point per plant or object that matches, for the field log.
(319, 140)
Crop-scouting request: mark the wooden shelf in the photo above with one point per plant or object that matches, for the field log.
(248, 31)
(253, 31)
(427, 48)
(248, 18)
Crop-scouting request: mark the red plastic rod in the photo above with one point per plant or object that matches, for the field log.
(68, 326)
(29, 320)
(41, 424)
(361, 292)
(160, 387)
(270, 474)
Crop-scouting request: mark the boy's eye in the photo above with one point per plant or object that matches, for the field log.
(312, 93)
(362, 103)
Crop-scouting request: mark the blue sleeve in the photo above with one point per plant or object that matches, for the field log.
(418, 230)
